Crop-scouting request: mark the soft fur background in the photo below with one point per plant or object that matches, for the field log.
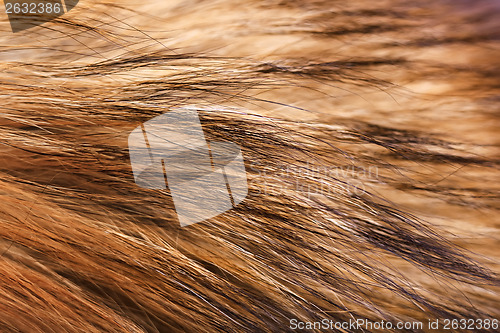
(399, 98)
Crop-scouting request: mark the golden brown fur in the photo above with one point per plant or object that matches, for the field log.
(370, 136)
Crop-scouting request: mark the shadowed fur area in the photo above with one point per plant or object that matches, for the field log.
(369, 132)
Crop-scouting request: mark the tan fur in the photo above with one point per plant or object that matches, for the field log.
(393, 105)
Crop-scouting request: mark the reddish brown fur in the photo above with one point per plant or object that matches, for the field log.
(398, 100)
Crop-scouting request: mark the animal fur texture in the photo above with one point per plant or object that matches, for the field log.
(369, 131)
